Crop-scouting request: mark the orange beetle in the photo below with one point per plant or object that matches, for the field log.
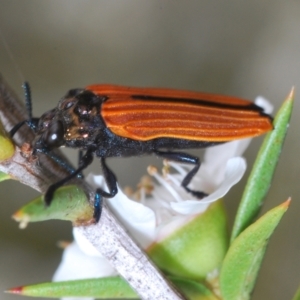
(111, 121)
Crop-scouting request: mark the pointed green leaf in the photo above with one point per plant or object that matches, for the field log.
(69, 203)
(195, 249)
(297, 295)
(262, 172)
(193, 290)
(242, 262)
(100, 288)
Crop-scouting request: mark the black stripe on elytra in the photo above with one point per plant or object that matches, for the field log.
(250, 106)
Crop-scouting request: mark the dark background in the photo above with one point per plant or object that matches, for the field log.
(242, 48)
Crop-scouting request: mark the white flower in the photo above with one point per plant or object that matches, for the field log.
(168, 208)
(153, 218)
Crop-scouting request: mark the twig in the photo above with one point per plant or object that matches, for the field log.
(108, 236)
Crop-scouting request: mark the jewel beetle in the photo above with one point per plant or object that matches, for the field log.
(117, 121)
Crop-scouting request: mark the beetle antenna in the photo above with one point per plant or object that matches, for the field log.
(28, 102)
(31, 122)
(64, 164)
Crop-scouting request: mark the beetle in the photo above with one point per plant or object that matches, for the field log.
(117, 121)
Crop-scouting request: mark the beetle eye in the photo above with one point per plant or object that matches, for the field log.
(69, 104)
(54, 136)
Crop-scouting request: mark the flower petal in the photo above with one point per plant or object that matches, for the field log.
(235, 170)
(76, 264)
(139, 219)
(215, 160)
(265, 104)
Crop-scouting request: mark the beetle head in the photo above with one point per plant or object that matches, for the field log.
(74, 122)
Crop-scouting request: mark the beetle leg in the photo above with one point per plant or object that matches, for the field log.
(110, 179)
(16, 128)
(86, 160)
(187, 159)
(80, 155)
(111, 182)
(32, 123)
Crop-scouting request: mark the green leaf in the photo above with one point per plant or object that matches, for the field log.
(7, 148)
(196, 248)
(297, 295)
(193, 290)
(100, 288)
(262, 172)
(243, 260)
(107, 288)
(69, 203)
